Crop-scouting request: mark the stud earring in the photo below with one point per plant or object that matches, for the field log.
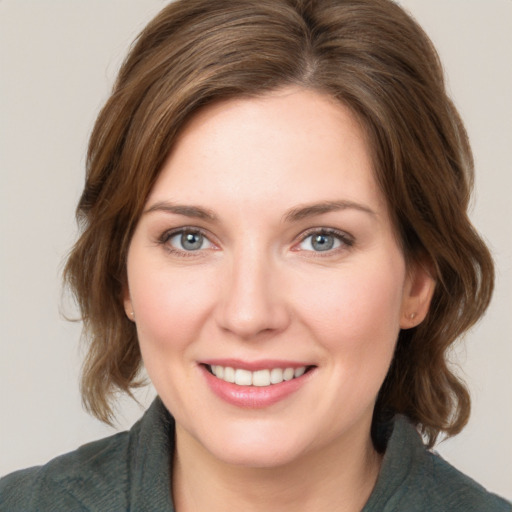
(412, 316)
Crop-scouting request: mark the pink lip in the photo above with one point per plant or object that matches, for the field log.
(253, 397)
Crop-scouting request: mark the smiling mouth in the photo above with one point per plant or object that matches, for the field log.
(258, 378)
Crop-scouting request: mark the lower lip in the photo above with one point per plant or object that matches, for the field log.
(253, 397)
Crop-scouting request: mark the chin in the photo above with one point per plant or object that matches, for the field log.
(253, 446)
(258, 456)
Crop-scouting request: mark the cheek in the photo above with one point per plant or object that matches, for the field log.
(169, 307)
(357, 309)
(354, 316)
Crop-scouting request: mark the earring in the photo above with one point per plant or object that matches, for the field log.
(132, 314)
(412, 316)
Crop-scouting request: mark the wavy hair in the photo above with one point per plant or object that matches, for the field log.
(368, 54)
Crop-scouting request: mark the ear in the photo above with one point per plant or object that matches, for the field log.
(128, 306)
(418, 291)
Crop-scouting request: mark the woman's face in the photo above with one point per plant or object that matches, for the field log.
(266, 255)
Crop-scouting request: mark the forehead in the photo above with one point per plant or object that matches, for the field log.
(292, 145)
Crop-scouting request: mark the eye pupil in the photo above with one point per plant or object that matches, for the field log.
(191, 241)
(322, 242)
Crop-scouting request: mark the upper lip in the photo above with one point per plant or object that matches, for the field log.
(262, 364)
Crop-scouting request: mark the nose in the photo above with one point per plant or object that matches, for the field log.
(253, 300)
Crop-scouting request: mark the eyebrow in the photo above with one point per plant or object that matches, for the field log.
(293, 215)
(186, 210)
(310, 210)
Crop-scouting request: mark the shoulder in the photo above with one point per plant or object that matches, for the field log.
(435, 484)
(452, 490)
(64, 481)
(127, 471)
(414, 479)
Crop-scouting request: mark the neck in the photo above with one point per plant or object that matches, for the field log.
(341, 477)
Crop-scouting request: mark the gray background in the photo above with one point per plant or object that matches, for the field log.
(58, 59)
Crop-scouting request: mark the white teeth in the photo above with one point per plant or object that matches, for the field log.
(276, 375)
(229, 374)
(261, 378)
(258, 378)
(243, 377)
(299, 371)
(288, 374)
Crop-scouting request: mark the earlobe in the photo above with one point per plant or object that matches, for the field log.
(418, 292)
(128, 306)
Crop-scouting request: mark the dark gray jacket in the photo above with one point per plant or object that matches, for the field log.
(132, 471)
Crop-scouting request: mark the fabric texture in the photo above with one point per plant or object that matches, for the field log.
(132, 471)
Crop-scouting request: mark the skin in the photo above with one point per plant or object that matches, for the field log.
(258, 289)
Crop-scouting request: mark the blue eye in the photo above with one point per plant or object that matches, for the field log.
(188, 240)
(323, 241)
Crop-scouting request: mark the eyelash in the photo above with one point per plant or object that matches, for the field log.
(168, 235)
(344, 238)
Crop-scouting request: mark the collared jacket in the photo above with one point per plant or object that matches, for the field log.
(131, 471)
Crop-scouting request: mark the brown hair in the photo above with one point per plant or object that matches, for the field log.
(368, 54)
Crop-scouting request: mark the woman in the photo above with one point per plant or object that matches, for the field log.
(274, 223)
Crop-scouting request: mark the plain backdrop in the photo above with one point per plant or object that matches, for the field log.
(58, 60)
